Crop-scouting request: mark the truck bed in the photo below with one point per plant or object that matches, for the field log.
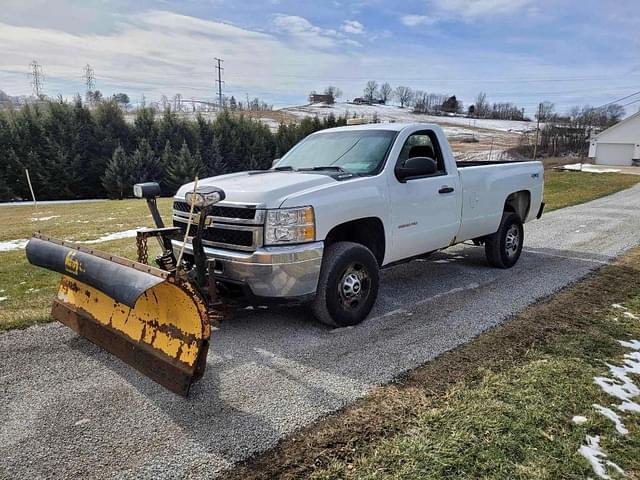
(479, 163)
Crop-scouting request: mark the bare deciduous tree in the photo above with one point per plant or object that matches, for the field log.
(371, 91)
(404, 95)
(546, 112)
(385, 92)
(481, 109)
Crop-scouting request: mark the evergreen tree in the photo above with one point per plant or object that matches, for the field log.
(117, 179)
(146, 166)
(216, 164)
(184, 169)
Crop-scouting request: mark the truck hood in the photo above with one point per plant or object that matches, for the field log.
(269, 188)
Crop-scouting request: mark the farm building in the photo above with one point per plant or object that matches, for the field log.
(619, 144)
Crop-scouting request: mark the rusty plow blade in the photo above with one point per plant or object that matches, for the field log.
(147, 317)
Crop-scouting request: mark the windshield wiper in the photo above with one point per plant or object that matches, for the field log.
(284, 168)
(328, 167)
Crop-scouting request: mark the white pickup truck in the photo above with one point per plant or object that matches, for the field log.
(345, 202)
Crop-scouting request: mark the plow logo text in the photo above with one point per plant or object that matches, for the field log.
(72, 264)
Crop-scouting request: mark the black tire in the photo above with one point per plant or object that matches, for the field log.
(504, 247)
(348, 285)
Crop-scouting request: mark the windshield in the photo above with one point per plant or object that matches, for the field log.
(358, 151)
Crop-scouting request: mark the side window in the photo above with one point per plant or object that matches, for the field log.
(423, 144)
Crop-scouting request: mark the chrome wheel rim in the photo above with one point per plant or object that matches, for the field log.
(512, 240)
(354, 286)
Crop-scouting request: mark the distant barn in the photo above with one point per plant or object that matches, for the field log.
(321, 98)
(619, 144)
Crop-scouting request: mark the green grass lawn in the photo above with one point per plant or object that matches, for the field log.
(563, 189)
(28, 290)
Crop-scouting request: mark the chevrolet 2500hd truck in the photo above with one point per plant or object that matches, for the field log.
(346, 202)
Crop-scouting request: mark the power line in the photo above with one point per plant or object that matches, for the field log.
(620, 99)
(631, 103)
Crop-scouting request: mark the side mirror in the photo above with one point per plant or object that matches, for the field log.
(146, 190)
(416, 167)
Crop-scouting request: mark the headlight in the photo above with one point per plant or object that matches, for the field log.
(290, 225)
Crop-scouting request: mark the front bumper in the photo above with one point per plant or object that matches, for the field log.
(282, 272)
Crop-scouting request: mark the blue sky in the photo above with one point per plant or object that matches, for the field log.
(524, 51)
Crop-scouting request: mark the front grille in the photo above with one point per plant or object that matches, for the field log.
(240, 238)
(219, 211)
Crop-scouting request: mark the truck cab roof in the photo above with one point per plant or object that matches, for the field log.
(396, 127)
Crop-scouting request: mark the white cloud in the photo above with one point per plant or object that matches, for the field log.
(353, 27)
(304, 31)
(415, 20)
(159, 52)
(480, 8)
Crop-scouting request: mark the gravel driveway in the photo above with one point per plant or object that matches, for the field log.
(71, 410)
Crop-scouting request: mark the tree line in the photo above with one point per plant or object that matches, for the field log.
(567, 134)
(75, 152)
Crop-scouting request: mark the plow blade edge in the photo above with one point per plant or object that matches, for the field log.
(145, 316)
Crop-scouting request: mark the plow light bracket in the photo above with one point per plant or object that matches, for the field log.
(146, 190)
(205, 196)
(150, 191)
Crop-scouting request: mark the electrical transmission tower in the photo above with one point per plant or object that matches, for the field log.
(89, 81)
(219, 81)
(37, 78)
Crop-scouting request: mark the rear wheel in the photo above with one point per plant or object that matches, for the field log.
(348, 285)
(504, 247)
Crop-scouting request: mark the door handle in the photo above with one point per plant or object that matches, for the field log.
(446, 190)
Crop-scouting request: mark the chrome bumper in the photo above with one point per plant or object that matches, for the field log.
(273, 272)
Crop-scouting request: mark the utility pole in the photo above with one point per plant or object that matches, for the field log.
(219, 68)
(37, 79)
(535, 147)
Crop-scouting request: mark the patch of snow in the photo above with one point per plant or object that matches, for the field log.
(51, 202)
(596, 457)
(81, 422)
(114, 236)
(2, 299)
(579, 419)
(613, 416)
(10, 245)
(42, 219)
(585, 167)
(632, 344)
(618, 306)
(631, 316)
(619, 384)
(393, 113)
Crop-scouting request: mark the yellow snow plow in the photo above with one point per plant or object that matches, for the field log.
(157, 320)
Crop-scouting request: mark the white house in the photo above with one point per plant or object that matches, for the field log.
(619, 144)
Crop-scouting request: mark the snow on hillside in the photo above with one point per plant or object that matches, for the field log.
(392, 113)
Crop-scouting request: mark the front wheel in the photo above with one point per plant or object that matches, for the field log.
(348, 285)
(504, 247)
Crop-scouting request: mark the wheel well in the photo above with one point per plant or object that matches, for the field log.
(519, 202)
(365, 231)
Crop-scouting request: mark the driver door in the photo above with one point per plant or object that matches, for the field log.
(425, 211)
